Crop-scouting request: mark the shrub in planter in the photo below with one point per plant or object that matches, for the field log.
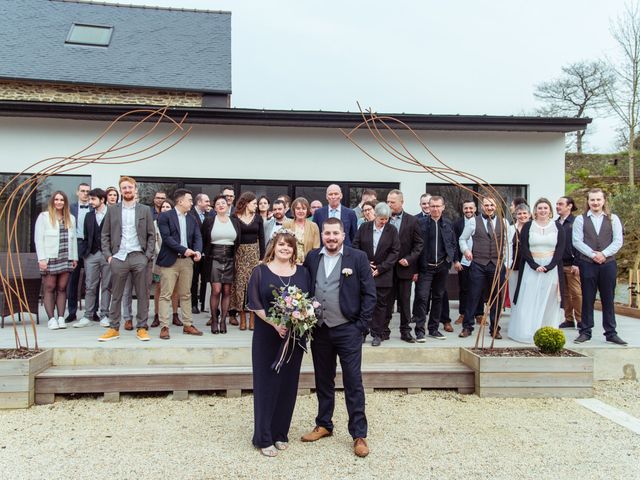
(549, 339)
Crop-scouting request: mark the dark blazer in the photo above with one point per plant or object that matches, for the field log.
(386, 254)
(349, 220)
(92, 233)
(195, 215)
(449, 241)
(169, 227)
(83, 250)
(206, 233)
(526, 257)
(112, 230)
(357, 291)
(569, 256)
(410, 246)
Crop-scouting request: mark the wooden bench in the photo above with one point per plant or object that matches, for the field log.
(232, 379)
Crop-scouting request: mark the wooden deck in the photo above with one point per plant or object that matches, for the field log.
(233, 379)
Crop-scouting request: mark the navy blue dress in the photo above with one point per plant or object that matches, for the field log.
(274, 394)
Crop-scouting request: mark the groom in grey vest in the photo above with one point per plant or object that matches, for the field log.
(343, 284)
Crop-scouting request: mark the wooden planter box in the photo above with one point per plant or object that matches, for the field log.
(530, 377)
(17, 379)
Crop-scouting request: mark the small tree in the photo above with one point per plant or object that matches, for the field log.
(623, 94)
(580, 89)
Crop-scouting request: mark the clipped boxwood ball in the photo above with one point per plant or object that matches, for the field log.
(549, 339)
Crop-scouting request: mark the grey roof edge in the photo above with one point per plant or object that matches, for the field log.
(115, 85)
(294, 118)
(147, 7)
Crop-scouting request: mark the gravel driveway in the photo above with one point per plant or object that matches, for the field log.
(434, 434)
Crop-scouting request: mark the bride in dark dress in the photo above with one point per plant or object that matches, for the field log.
(274, 394)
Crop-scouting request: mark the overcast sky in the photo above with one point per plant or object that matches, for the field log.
(420, 56)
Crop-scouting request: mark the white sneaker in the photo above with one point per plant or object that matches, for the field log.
(61, 323)
(53, 324)
(83, 322)
(104, 322)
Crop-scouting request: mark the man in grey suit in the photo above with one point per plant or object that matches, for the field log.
(128, 244)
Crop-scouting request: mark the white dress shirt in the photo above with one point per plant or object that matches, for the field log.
(578, 234)
(129, 241)
(377, 233)
(335, 212)
(330, 261)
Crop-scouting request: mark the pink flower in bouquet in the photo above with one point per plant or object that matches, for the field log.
(316, 304)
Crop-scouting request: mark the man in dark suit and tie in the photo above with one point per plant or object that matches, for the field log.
(342, 282)
(97, 272)
(181, 246)
(200, 211)
(439, 251)
(406, 268)
(79, 210)
(335, 210)
(382, 245)
(464, 268)
(128, 244)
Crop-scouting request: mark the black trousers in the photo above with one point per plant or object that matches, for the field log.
(481, 277)
(198, 285)
(593, 278)
(463, 288)
(345, 342)
(445, 314)
(431, 285)
(400, 292)
(72, 288)
(379, 320)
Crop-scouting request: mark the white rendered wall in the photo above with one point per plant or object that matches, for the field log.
(317, 154)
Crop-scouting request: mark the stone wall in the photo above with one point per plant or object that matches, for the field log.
(70, 93)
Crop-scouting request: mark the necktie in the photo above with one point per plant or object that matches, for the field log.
(490, 227)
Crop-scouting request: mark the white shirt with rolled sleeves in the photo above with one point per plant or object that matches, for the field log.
(578, 234)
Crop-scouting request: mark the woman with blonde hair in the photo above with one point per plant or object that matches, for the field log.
(306, 231)
(537, 299)
(57, 250)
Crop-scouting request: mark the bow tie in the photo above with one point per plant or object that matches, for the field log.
(84, 206)
(487, 217)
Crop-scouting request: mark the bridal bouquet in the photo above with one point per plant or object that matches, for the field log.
(295, 310)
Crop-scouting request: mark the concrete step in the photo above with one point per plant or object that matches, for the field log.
(232, 379)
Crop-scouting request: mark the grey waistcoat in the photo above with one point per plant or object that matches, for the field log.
(597, 242)
(328, 294)
(484, 247)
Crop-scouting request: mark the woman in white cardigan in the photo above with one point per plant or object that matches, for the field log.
(57, 249)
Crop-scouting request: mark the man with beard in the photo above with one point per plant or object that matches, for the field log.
(275, 222)
(128, 244)
(341, 280)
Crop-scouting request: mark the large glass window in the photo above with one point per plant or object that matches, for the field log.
(311, 190)
(36, 203)
(454, 196)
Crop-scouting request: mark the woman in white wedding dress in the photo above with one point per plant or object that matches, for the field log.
(537, 299)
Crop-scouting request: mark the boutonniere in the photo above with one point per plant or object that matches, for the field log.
(347, 272)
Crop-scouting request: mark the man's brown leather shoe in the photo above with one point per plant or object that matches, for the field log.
(360, 447)
(316, 434)
(459, 320)
(156, 321)
(465, 333)
(176, 320)
(164, 333)
(448, 327)
(191, 330)
(128, 325)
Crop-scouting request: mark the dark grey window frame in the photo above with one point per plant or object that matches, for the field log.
(69, 40)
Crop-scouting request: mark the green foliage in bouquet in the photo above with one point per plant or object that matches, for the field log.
(549, 339)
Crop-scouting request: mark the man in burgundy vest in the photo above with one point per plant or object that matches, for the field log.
(597, 236)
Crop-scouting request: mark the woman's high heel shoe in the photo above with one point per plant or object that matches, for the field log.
(223, 325)
(214, 325)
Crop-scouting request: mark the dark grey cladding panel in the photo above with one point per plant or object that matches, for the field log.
(150, 47)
